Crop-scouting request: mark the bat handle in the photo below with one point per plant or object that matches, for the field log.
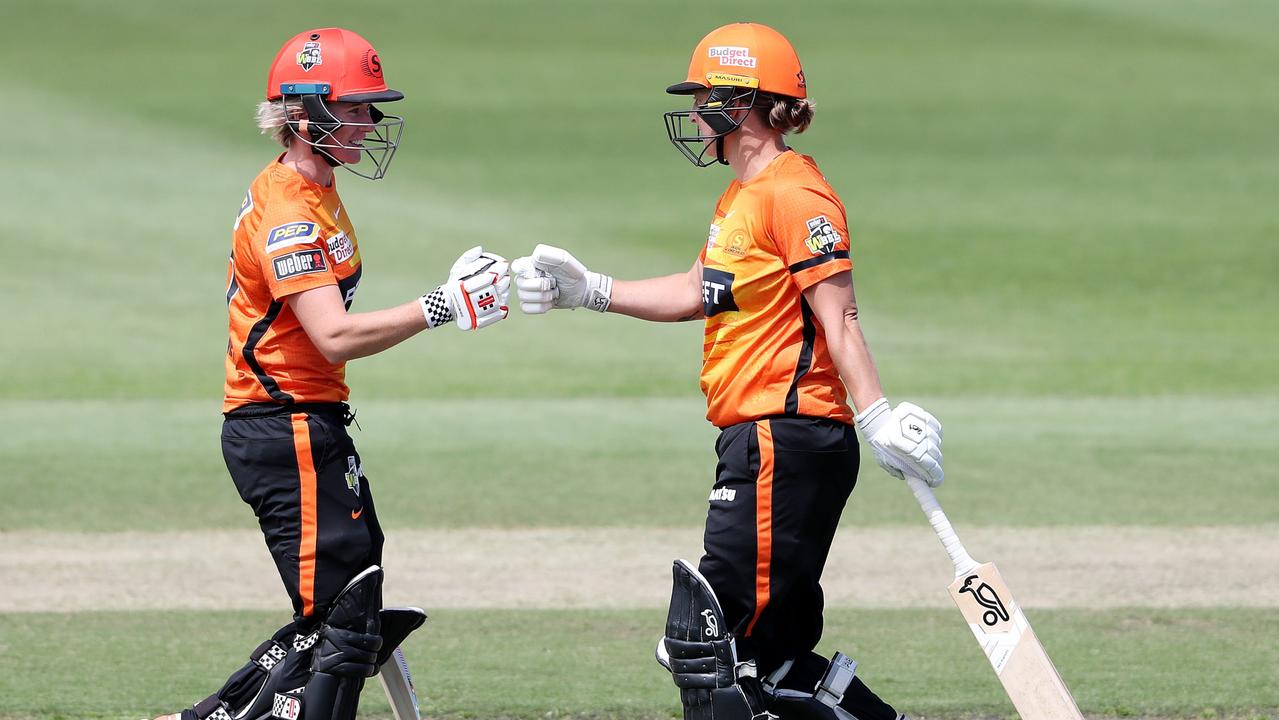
(963, 562)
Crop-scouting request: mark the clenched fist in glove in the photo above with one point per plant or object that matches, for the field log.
(906, 440)
(475, 294)
(552, 278)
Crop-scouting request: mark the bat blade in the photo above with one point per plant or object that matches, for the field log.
(1019, 660)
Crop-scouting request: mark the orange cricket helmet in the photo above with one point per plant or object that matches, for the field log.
(735, 63)
(336, 65)
(748, 55)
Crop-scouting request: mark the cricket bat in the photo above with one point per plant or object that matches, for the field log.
(1020, 662)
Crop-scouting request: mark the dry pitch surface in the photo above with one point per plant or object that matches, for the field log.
(1080, 567)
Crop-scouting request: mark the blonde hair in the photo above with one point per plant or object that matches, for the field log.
(272, 118)
(788, 114)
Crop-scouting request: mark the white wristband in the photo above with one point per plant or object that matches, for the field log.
(873, 417)
(599, 292)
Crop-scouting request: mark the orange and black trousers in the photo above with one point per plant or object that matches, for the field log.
(297, 467)
(781, 485)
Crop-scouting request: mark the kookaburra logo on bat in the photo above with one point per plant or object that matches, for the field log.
(712, 625)
(986, 596)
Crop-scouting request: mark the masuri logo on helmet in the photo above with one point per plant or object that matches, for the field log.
(735, 62)
(336, 65)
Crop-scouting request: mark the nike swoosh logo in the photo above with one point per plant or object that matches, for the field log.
(730, 214)
(337, 212)
(355, 514)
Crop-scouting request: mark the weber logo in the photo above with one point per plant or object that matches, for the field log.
(725, 494)
(288, 708)
(300, 262)
(717, 292)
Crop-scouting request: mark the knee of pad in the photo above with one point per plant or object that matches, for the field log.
(701, 654)
(695, 613)
(350, 635)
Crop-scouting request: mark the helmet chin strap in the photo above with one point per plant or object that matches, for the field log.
(719, 150)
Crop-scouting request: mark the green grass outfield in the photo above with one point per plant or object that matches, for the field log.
(1064, 232)
(485, 664)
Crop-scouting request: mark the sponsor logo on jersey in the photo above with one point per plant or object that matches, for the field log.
(732, 56)
(310, 56)
(711, 235)
(294, 233)
(299, 262)
(736, 244)
(717, 292)
(340, 248)
(288, 708)
(246, 207)
(822, 236)
(725, 494)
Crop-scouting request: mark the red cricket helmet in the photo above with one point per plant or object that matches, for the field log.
(336, 65)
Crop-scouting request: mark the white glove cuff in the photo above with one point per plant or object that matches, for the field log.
(870, 420)
(435, 308)
(599, 292)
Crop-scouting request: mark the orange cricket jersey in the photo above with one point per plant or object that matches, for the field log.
(764, 354)
(290, 235)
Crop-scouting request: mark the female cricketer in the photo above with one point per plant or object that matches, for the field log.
(783, 351)
(294, 269)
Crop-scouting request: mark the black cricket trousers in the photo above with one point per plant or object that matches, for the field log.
(297, 467)
(781, 485)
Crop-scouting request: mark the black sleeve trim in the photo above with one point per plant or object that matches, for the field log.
(819, 260)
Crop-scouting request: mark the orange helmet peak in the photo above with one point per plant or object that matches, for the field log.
(748, 55)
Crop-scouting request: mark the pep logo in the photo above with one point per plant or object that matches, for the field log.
(290, 234)
(717, 292)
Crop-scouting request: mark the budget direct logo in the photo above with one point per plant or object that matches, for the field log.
(732, 56)
(340, 247)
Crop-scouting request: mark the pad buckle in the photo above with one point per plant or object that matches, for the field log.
(839, 674)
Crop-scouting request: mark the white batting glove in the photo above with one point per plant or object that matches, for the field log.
(475, 295)
(552, 278)
(906, 440)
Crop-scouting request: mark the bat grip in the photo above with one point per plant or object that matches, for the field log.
(963, 562)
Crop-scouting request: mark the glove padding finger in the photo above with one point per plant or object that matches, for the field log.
(465, 259)
(576, 286)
